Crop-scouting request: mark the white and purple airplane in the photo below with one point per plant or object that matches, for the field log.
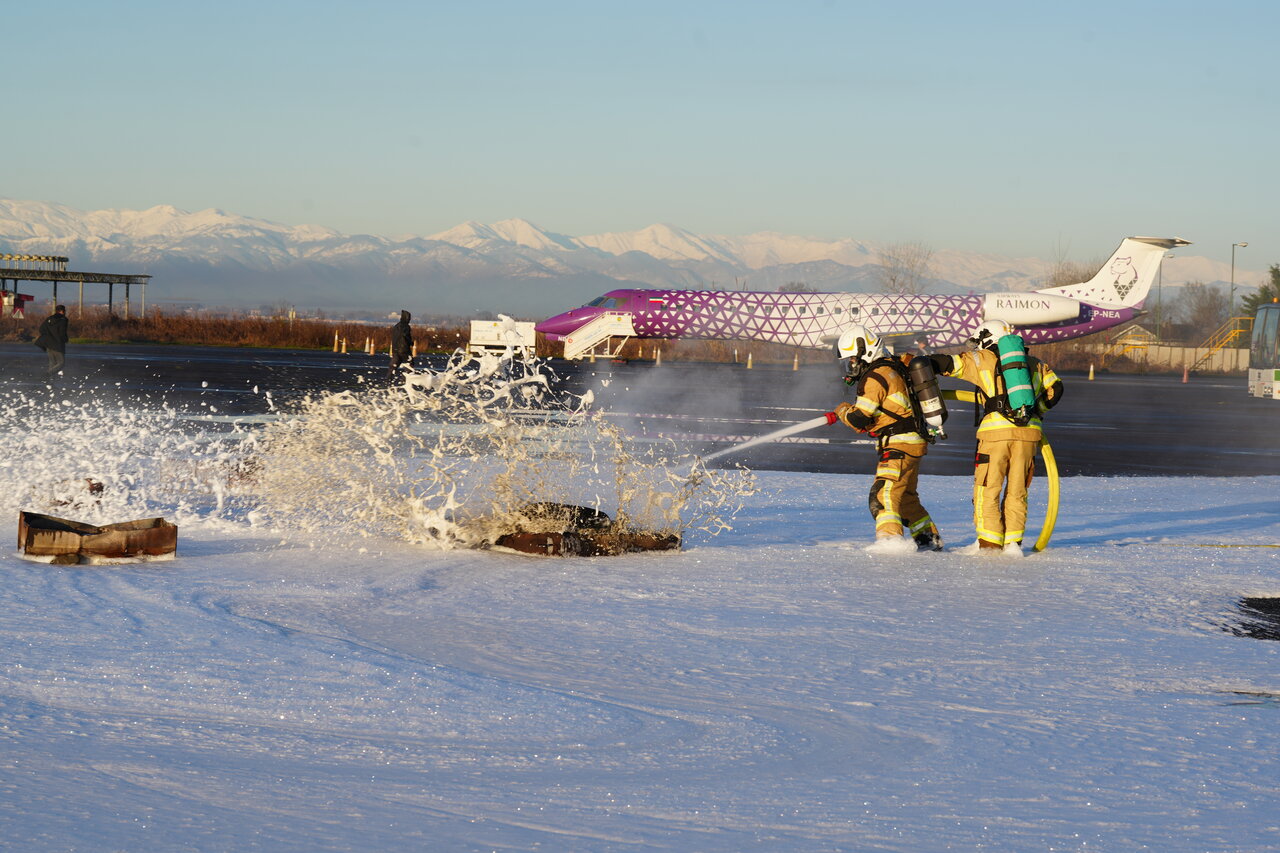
(1112, 297)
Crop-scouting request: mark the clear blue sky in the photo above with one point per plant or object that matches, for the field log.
(1017, 128)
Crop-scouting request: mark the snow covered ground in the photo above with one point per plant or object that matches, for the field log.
(771, 688)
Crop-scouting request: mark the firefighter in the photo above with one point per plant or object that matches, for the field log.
(885, 409)
(1008, 437)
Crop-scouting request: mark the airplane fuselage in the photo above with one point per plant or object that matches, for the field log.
(815, 319)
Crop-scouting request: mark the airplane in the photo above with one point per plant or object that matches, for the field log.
(1114, 295)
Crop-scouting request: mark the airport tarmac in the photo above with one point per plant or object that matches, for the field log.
(1114, 425)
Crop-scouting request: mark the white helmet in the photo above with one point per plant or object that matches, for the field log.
(986, 335)
(857, 342)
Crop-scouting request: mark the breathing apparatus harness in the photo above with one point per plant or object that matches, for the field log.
(860, 371)
(1014, 360)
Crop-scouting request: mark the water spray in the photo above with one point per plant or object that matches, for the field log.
(804, 426)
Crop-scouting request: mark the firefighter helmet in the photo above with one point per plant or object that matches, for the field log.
(986, 335)
(858, 343)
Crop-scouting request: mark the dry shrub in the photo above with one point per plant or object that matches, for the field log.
(234, 330)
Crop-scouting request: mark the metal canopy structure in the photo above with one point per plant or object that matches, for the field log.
(53, 269)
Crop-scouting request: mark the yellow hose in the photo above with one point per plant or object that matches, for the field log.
(1051, 509)
(1050, 467)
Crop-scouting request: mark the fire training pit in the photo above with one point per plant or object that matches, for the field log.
(564, 530)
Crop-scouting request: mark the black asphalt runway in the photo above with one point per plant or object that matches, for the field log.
(1115, 425)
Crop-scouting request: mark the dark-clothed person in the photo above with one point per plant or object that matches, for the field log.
(53, 339)
(401, 345)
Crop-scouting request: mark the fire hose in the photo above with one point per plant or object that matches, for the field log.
(1050, 464)
(1051, 470)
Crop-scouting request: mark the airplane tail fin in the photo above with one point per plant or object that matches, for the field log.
(1125, 279)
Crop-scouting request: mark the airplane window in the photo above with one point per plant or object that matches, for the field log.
(837, 310)
(875, 311)
(609, 303)
(800, 309)
(854, 310)
(819, 310)
(595, 302)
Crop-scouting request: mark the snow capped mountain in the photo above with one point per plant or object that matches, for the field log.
(769, 248)
(222, 258)
(664, 242)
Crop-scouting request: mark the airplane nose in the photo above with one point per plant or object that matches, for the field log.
(563, 324)
(549, 325)
(559, 325)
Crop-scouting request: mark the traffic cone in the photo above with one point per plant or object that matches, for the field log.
(1185, 371)
(795, 362)
(1091, 373)
(657, 356)
(749, 361)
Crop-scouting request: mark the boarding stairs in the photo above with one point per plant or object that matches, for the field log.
(586, 340)
(1132, 338)
(1235, 329)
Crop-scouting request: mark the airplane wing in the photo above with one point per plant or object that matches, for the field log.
(898, 338)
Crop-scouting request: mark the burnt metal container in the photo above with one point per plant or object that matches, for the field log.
(582, 532)
(68, 541)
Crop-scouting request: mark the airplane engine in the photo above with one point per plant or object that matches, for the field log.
(1026, 309)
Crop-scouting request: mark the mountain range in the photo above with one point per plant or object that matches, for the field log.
(215, 258)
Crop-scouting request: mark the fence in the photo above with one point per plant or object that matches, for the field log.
(1163, 357)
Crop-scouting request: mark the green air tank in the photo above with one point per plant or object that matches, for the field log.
(1017, 379)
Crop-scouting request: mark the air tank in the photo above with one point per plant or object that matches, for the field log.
(1017, 378)
(924, 383)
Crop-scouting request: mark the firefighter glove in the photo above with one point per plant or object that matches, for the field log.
(843, 411)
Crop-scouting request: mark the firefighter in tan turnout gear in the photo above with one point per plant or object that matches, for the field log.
(1008, 436)
(885, 409)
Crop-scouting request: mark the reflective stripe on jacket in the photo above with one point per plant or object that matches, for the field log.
(980, 368)
(884, 399)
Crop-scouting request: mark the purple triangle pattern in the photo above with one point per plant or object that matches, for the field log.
(816, 319)
(799, 319)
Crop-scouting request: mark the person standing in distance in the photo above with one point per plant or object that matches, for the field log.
(401, 345)
(885, 410)
(53, 340)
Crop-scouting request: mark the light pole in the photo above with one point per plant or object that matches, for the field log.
(1232, 308)
(1160, 293)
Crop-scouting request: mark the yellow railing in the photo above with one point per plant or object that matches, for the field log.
(1228, 333)
(57, 263)
(1125, 341)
